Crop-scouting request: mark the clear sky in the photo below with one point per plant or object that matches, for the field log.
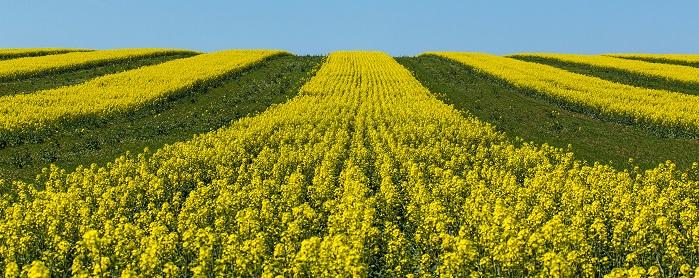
(316, 27)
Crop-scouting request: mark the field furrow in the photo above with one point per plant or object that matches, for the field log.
(668, 113)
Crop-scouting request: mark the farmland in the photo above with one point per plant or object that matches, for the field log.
(236, 163)
(11, 53)
(522, 113)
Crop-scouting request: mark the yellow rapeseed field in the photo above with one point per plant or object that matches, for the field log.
(682, 58)
(29, 66)
(364, 173)
(120, 91)
(664, 71)
(8, 53)
(668, 112)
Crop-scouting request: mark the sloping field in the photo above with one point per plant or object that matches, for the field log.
(262, 163)
(620, 75)
(115, 93)
(250, 91)
(79, 75)
(33, 66)
(519, 112)
(680, 59)
(666, 71)
(11, 53)
(663, 111)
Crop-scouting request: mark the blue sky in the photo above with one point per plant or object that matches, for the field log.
(316, 27)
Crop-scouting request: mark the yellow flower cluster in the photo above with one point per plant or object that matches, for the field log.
(23, 67)
(120, 91)
(7, 53)
(682, 58)
(665, 71)
(668, 112)
(365, 173)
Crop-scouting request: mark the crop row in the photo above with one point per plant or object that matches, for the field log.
(119, 92)
(32, 66)
(665, 71)
(664, 111)
(10, 53)
(686, 59)
(518, 113)
(365, 173)
(197, 111)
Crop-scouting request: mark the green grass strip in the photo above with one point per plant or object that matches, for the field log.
(12, 53)
(35, 66)
(691, 60)
(667, 113)
(72, 77)
(647, 75)
(205, 109)
(27, 116)
(522, 113)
